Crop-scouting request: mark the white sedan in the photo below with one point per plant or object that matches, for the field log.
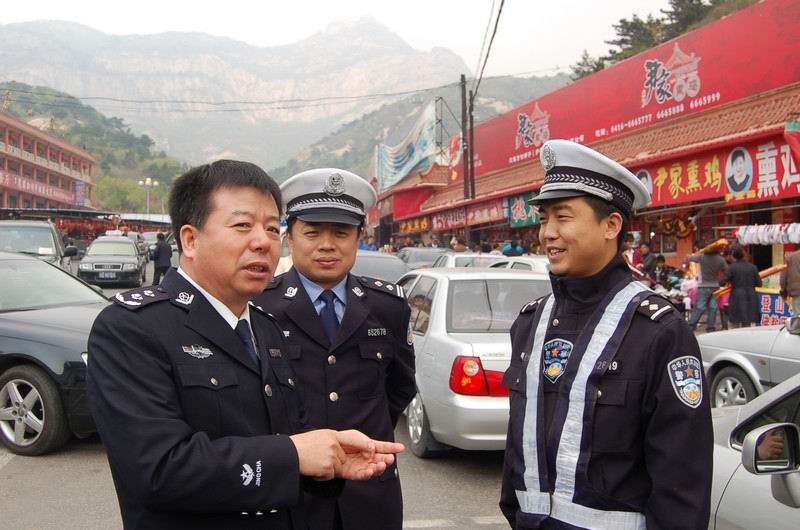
(460, 319)
(743, 363)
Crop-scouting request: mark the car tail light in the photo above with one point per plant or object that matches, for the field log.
(467, 377)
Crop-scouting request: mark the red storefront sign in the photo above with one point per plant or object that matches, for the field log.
(486, 212)
(412, 226)
(755, 171)
(35, 188)
(449, 220)
(746, 53)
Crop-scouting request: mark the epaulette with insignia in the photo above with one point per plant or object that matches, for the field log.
(276, 281)
(382, 286)
(655, 307)
(138, 298)
(530, 306)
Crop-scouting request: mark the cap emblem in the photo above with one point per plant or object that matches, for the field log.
(335, 185)
(549, 157)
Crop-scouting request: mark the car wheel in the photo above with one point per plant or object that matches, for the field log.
(423, 443)
(731, 386)
(32, 418)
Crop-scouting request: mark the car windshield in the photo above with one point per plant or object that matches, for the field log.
(476, 261)
(379, 267)
(111, 248)
(424, 256)
(491, 305)
(33, 284)
(29, 239)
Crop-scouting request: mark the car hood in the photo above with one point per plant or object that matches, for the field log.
(110, 259)
(65, 326)
(742, 339)
(494, 349)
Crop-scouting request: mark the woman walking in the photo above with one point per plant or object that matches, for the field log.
(743, 306)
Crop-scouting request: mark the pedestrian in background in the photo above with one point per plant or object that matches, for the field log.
(743, 305)
(790, 281)
(162, 258)
(712, 267)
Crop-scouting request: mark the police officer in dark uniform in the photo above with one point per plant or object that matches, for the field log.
(190, 386)
(348, 337)
(610, 425)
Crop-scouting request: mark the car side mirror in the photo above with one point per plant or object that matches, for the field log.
(70, 251)
(81, 253)
(793, 325)
(772, 449)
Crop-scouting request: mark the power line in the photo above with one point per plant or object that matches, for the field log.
(488, 49)
(483, 44)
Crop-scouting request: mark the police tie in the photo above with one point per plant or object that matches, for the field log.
(330, 323)
(243, 330)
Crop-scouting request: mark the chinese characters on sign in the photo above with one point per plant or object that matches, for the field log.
(449, 220)
(774, 309)
(522, 213)
(755, 171)
(412, 226)
(486, 212)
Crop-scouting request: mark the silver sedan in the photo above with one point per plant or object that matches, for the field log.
(742, 363)
(459, 325)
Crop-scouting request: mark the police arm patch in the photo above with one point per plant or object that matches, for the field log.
(685, 374)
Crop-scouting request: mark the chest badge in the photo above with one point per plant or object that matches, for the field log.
(290, 292)
(687, 381)
(198, 352)
(556, 355)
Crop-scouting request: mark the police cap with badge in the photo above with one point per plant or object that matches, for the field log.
(574, 170)
(327, 195)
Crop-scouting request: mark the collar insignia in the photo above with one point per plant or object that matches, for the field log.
(185, 298)
(290, 292)
(198, 352)
(358, 292)
(335, 185)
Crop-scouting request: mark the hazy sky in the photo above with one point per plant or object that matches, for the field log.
(533, 35)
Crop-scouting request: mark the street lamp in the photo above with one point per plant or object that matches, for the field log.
(148, 184)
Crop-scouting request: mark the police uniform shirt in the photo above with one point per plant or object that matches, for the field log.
(226, 314)
(314, 291)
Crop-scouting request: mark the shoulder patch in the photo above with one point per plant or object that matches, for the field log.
(655, 307)
(138, 298)
(381, 286)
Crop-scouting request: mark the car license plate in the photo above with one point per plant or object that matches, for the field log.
(106, 275)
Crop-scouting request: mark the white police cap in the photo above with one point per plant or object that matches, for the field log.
(328, 195)
(572, 170)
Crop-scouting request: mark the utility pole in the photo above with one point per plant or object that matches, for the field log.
(464, 148)
(471, 148)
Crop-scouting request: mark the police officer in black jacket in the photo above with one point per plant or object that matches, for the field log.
(191, 388)
(610, 425)
(348, 337)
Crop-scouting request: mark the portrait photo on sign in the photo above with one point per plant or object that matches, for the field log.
(739, 171)
(644, 177)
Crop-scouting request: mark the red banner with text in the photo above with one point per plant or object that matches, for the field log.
(756, 171)
(749, 52)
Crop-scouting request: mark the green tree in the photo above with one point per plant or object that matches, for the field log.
(635, 36)
(587, 65)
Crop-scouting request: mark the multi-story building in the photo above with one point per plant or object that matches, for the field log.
(38, 170)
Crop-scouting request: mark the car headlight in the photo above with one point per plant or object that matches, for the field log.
(85, 266)
(129, 267)
(85, 357)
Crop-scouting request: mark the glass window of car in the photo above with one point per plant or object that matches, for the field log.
(35, 284)
(378, 266)
(111, 248)
(37, 240)
(786, 410)
(499, 265)
(475, 261)
(490, 305)
(521, 266)
(441, 261)
(419, 300)
(406, 282)
(424, 255)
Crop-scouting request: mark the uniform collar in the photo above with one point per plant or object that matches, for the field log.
(218, 306)
(314, 290)
(590, 290)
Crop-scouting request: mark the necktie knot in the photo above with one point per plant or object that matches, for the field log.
(328, 296)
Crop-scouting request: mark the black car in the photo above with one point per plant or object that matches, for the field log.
(378, 265)
(112, 259)
(36, 238)
(45, 318)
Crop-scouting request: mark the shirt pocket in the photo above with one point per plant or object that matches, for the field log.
(614, 426)
(207, 393)
(372, 365)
